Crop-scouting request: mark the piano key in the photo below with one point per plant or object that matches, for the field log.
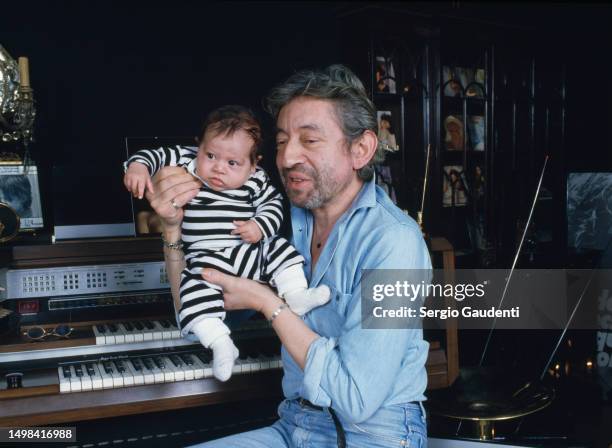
(136, 369)
(158, 330)
(178, 365)
(138, 331)
(163, 364)
(128, 378)
(81, 371)
(75, 381)
(158, 375)
(117, 331)
(94, 375)
(197, 365)
(205, 359)
(148, 375)
(147, 333)
(110, 369)
(107, 378)
(188, 366)
(64, 379)
(176, 332)
(128, 332)
(165, 329)
(100, 333)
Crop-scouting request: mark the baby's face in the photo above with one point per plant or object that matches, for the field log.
(223, 161)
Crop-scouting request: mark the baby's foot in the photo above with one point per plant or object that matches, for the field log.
(224, 355)
(303, 300)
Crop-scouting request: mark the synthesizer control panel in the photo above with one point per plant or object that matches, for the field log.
(80, 280)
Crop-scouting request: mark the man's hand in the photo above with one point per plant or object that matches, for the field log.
(173, 186)
(137, 179)
(242, 293)
(249, 231)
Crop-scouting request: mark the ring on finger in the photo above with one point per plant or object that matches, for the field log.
(174, 204)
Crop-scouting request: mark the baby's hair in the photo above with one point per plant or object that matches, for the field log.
(229, 119)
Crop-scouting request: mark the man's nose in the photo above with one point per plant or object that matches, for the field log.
(290, 155)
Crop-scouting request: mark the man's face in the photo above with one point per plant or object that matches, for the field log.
(312, 157)
(224, 160)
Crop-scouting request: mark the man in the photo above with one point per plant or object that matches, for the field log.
(344, 385)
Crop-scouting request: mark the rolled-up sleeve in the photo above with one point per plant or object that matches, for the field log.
(355, 372)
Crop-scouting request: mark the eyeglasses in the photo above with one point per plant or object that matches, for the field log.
(40, 333)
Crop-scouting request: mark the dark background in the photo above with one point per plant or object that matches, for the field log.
(104, 70)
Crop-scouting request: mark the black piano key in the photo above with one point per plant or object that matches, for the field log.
(101, 328)
(176, 360)
(164, 323)
(138, 325)
(78, 370)
(159, 362)
(120, 366)
(128, 326)
(205, 357)
(186, 359)
(148, 363)
(108, 367)
(113, 328)
(66, 371)
(90, 369)
(137, 364)
(148, 324)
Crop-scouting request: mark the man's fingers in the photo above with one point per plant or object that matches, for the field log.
(216, 277)
(150, 185)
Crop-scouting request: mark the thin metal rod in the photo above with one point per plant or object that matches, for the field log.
(425, 178)
(516, 256)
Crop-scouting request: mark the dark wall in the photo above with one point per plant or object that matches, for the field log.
(104, 70)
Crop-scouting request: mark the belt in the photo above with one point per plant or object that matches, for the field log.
(340, 436)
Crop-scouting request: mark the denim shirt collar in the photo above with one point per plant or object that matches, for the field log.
(303, 225)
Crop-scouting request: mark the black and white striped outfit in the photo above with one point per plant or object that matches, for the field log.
(208, 242)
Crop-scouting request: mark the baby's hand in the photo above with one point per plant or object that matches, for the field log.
(137, 179)
(249, 231)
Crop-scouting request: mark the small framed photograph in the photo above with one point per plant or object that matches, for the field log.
(387, 131)
(20, 191)
(384, 75)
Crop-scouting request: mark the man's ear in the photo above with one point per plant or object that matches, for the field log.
(363, 149)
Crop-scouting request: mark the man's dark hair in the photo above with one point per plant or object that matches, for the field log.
(229, 119)
(337, 83)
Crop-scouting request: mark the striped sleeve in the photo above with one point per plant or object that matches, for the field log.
(269, 212)
(156, 159)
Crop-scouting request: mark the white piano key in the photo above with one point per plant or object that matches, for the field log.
(75, 381)
(255, 364)
(166, 331)
(107, 378)
(157, 373)
(167, 368)
(100, 337)
(179, 372)
(127, 334)
(96, 378)
(118, 333)
(138, 334)
(64, 382)
(158, 331)
(188, 367)
(137, 374)
(128, 378)
(208, 373)
(176, 333)
(198, 367)
(86, 382)
(149, 375)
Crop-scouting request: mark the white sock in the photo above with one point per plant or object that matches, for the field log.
(214, 334)
(224, 356)
(292, 286)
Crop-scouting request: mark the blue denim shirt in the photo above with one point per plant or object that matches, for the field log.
(354, 370)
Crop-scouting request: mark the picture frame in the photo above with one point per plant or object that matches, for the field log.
(19, 189)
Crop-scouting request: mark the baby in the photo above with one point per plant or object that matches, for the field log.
(230, 225)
